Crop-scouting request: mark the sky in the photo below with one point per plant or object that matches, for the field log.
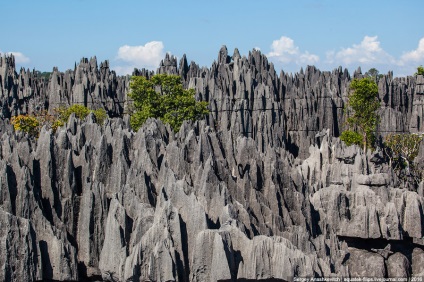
(384, 34)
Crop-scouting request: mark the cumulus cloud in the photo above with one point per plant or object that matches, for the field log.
(415, 56)
(19, 57)
(368, 52)
(285, 51)
(142, 56)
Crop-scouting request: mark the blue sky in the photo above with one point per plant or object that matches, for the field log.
(384, 34)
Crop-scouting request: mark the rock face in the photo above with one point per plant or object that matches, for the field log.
(262, 189)
(88, 84)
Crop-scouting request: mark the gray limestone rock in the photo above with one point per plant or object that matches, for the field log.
(262, 188)
(363, 263)
(209, 258)
(398, 266)
(20, 259)
(418, 262)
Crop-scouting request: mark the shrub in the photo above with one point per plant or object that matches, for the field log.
(402, 147)
(81, 112)
(351, 137)
(420, 70)
(31, 124)
(25, 123)
(401, 150)
(100, 115)
(56, 124)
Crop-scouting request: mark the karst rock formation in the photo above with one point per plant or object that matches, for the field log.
(261, 189)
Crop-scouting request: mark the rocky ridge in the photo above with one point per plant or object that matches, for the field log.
(246, 96)
(261, 189)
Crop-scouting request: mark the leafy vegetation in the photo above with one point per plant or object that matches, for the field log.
(32, 124)
(351, 137)
(420, 70)
(80, 112)
(361, 108)
(27, 124)
(44, 74)
(401, 150)
(374, 74)
(100, 115)
(164, 97)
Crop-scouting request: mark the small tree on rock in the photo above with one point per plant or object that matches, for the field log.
(374, 74)
(163, 97)
(361, 108)
(420, 70)
(401, 150)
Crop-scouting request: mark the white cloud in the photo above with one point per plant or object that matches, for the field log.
(143, 56)
(415, 57)
(19, 57)
(285, 51)
(368, 52)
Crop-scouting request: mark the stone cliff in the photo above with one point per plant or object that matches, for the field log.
(262, 189)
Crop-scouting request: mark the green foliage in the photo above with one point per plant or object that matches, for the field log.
(404, 145)
(28, 124)
(100, 115)
(56, 124)
(46, 75)
(420, 70)
(81, 112)
(164, 97)
(351, 137)
(32, 124)
(361, 109)
(402, 149)
(374, 74)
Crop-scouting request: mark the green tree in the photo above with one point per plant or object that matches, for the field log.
(420, 70)
(402, 149)
(361, 108)
(351, 137)
(374, 74)
(163, 97)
